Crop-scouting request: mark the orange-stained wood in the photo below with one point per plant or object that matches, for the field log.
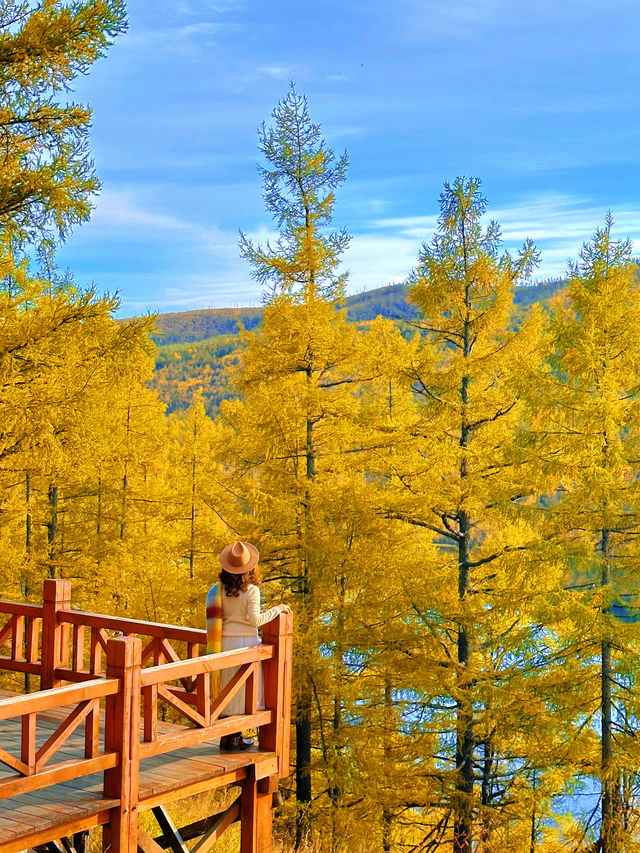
(62, 772)
(277, 689)
(57, 599)
(189, 737)
(206, 663)
(70, 694)
(64, 730)
(28, 744)
(122, 727)
(135, 626)
(17, 638)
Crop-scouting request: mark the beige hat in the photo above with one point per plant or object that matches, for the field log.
(239, 558)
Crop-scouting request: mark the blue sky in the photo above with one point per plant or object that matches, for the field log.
(537, 98)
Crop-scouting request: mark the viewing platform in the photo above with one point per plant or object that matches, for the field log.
(91, 747)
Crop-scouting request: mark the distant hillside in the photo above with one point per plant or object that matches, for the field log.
(188, 326)
(391, 301)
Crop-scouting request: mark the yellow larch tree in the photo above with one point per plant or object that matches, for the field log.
(585, 422)
(46, 174)
(454, 474)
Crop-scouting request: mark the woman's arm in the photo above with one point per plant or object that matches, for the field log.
(254, 616)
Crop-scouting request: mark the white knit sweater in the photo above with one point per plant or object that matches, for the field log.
(241, 615)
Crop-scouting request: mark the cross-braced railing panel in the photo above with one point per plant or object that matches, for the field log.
(90, 633)
(197, 705)
(33, 762)
(20, 626)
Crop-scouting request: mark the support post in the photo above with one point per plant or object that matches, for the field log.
(56, 597)
(277, 689)
(256, 818)
(122, 734)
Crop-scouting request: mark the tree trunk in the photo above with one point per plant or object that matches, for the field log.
(608, 833)
(303, 710)
(52, 528)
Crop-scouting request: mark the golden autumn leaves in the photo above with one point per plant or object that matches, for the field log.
(450, 505)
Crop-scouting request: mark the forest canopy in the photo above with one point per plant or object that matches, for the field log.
(442, 479)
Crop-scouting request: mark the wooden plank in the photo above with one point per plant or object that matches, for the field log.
(207, 663)
(33, 634)
(230, 689)
(223, 822)
(77, 659)
(277, 687)
(6, 632)
(34, 838)
(56, 599)
(170, 830)
(60, 735)
(22, 608)
(14, 763)
(181, 791)
(188, 737)
(202, 827)
(28, 742)
(135, 626)
(19, 665)
(146, 844)
(44, 700)
(17, 639)
(58, 773)
(173, 700)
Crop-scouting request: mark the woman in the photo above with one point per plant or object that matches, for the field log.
(233, 619)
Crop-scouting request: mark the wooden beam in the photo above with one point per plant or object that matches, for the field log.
(202, 827)
(170, 831)
(146, 844)
(122, 735)
(277, 688)
(222, 822)
(256, 818)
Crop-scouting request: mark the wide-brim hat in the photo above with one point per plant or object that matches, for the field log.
(239, 557)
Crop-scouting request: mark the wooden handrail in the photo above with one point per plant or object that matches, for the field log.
(45, 700)
(206, 663)
(134, 626)
(131, 685)
(20, 608)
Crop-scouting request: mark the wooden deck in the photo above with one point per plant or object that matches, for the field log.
(61, 810)
(91, 749)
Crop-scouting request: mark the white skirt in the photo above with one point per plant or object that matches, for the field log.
(236, 703)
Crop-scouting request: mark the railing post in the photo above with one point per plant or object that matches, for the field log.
(276, 674)
(122, 735)
(56, 597)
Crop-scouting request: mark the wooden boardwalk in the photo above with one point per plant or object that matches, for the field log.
(95, 752)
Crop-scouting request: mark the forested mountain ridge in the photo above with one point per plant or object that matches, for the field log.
(194, 346)
(390, 301)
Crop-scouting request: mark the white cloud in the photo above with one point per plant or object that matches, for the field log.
(119, 209)
(559, 224)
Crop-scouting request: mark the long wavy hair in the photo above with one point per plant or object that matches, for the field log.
(235, 584)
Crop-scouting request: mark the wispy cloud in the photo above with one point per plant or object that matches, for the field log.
(559, 224)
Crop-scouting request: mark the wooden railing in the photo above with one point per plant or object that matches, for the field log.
(62, 645)
(20, 631)
(33, 768)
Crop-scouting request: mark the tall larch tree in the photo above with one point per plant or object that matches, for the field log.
(46, 174)
(456, 477)
(585, 419)
(296, 381)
